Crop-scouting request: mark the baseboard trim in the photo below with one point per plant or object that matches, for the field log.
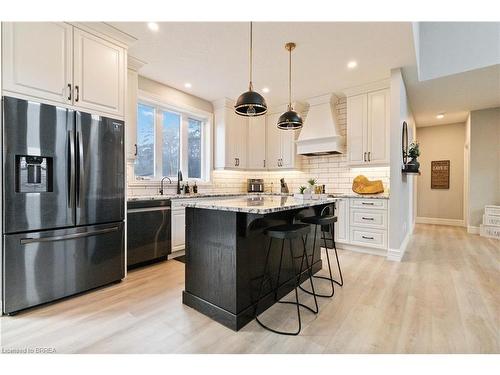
(440, 221)
(472, 230)
(396, 255)
(361, 249)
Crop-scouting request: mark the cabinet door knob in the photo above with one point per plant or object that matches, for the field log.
(69, 90)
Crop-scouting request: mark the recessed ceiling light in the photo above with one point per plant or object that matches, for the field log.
(265, 90)
(352, 64)
(440, 116)
(153, 26)
(187, 85)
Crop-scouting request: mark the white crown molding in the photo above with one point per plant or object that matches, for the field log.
(133, 63)
(372, 86)
(223, 103)
(126, 40)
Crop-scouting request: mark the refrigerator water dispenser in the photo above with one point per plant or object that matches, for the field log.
(33, 174)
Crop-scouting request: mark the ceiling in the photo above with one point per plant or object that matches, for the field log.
(213, 56)
(455, 95)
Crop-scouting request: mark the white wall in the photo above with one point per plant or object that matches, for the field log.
(441, 206)
(447, 48)
(484, 168)
(401, 205)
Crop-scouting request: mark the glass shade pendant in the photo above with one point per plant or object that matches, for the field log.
(251, 103)
(290, 120)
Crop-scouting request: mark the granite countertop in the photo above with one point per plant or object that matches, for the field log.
(258, 204)
(216, 195)
(364, 196)
(198, 195)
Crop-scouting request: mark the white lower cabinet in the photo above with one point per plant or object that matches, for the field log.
(178, 228)
(342, 224)
(362, 224)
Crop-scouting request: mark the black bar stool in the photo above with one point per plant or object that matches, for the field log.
(325, 220)
(288, 232)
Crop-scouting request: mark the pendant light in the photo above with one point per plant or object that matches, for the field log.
(250, 103)
(290, 120)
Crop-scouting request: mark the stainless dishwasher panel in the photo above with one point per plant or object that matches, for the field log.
(148, 232)
(44, 266)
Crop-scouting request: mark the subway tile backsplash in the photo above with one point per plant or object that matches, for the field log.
(332, 171)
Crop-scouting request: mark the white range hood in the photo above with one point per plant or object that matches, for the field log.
(320, 134)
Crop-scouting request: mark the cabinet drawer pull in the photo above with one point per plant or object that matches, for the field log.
(135, 146)
(69, 89)
(369, 156)
(364, 156)
(367, 218)
(77, 90)
(367, 203)
(367, 238)
(264, 163)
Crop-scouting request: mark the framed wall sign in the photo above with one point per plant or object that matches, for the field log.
(440, 174)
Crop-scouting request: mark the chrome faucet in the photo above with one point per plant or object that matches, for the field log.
(161, 183)
(179, 179)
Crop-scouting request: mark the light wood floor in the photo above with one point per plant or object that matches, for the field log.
(442, 298)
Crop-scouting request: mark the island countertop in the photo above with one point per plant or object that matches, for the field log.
(258, 204)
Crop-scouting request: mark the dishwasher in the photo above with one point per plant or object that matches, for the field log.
(148, 231)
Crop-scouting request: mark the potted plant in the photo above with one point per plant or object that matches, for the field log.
(303, 193)
(413, 152)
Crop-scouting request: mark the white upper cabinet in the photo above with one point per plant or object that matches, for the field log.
(99, 73)
(378, 126)
(368, 125)
(231, 135)
(60, 63)
(37, 59)
(273, 159)
(281, 148)
(256, 143)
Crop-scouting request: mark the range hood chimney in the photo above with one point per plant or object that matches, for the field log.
(320, 134)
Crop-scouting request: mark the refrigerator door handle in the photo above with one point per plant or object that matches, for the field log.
(71, 169)
(29, 240)
(80, 176)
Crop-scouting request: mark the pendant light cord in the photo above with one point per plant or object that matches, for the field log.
(251, 55)
(290, 80)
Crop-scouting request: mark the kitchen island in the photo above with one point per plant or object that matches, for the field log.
(226, 248)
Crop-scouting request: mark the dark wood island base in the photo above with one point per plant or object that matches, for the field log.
(225, 256)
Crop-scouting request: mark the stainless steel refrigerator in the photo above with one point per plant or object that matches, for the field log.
(63, 202)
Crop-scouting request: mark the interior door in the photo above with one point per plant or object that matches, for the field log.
(38, 166)
(99, 169)
(99, 74)
(38, 59)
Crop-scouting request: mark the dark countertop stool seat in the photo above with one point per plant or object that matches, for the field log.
(288, 232)
(323, 221)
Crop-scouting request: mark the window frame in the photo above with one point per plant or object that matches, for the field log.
(185, 114)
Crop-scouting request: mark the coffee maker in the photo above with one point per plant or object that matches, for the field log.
(255, 185)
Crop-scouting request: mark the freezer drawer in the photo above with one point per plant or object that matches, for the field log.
(40, 267)
(148, 234)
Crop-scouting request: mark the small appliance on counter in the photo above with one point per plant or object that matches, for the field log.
(255, 185)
